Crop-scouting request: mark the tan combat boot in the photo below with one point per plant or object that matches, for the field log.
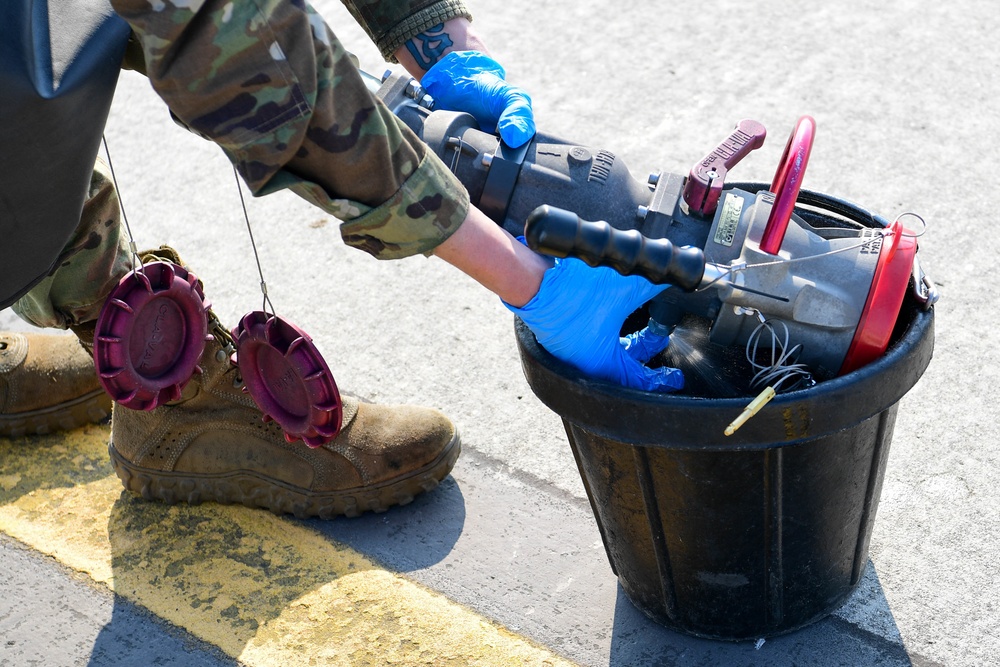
(211, 445)
(47, 384)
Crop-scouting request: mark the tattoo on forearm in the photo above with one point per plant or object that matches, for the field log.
(428, 47)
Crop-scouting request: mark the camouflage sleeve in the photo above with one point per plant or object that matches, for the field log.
(391, 24)
(270, 84)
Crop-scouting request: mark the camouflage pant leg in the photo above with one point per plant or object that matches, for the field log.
(269, 83)
(93, 261)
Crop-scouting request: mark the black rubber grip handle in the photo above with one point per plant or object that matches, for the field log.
(560, 233)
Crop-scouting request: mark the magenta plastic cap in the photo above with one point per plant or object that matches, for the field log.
(288, 378)
(150, 335)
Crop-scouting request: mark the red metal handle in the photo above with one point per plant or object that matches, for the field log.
(787, 182)
(704, 183)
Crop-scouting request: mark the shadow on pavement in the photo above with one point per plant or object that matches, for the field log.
(134, 637)
(29, 464)
(240, 579)
(236, 576)
(831, 642)
(408, 538)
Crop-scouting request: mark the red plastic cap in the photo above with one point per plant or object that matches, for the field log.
(878, 319)
(288, 378)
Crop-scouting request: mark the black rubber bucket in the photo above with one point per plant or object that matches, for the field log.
(746, 536)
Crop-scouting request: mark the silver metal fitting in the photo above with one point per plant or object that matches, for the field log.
(924, 289)
(418, 94)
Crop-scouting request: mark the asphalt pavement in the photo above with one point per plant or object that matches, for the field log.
(905, 100)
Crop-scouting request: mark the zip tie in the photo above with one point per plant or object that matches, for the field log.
(749, 411)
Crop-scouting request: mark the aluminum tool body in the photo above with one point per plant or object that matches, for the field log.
(737, 255)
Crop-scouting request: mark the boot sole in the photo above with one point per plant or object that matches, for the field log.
(91, 408)
(254, 490)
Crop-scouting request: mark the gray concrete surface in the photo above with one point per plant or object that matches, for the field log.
(905, 99)
(512, 547)
(51, 616)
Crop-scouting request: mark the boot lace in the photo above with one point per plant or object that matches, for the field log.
(227, 347)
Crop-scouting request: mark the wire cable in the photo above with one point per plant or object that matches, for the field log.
(133, 248)
(773, 360)
(253, 244)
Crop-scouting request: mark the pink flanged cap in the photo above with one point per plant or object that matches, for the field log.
(288, 378)
(150, 335)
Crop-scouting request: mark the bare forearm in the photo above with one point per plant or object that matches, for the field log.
(479, 248)
(494, 258)
(421, 52)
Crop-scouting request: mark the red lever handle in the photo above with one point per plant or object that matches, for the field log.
(787, 182)
(704, 183)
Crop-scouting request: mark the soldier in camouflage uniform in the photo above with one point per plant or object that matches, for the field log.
(268, 101)
(270, 84)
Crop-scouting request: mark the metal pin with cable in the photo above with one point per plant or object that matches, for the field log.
(749, 411)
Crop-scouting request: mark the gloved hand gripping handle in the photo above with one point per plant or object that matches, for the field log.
(560, 233)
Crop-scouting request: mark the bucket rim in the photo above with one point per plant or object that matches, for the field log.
(638, 417)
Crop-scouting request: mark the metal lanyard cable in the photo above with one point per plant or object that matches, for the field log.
(133, 248)
(253, 245)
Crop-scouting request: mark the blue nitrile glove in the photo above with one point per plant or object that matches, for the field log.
(577, 314)
(646, 343)
(472, 82)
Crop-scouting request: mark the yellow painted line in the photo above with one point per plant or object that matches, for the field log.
(264, 589)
